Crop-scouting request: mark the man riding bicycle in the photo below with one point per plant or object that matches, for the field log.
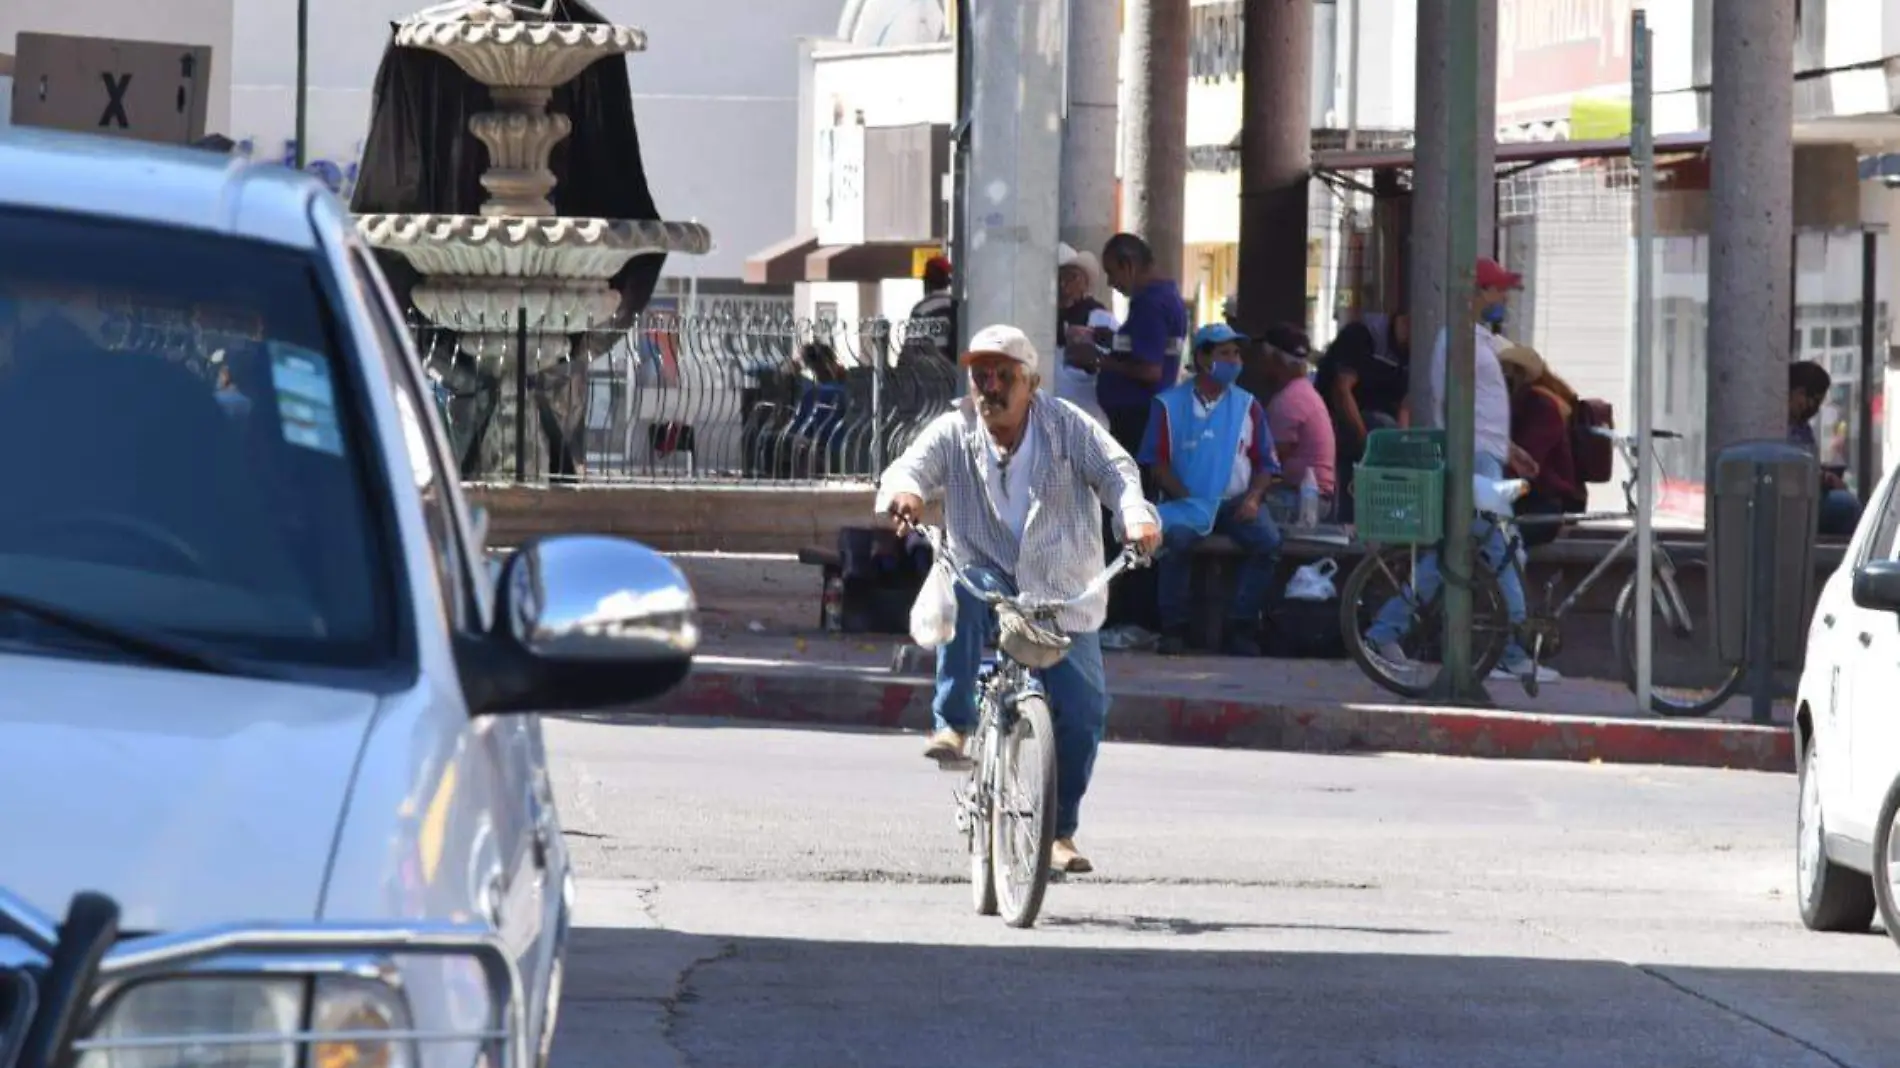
(1024, 478)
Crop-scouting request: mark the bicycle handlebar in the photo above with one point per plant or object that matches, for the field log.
(1130, 557)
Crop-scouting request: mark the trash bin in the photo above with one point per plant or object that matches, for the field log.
(1767, 499)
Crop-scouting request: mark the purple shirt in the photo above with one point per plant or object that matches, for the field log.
(1155, 332)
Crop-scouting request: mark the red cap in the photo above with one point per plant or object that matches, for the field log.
(937, 265)
(1493, 276)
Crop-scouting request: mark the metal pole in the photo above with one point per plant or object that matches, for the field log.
(521, 396)
(1352, 77)
(1864, 472)
(303, 80)
(1643, 149)
(960, 184)
(1761, 593)
(1456, 682)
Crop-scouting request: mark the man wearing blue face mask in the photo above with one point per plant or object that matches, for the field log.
(1210, 454)
(1491, 433)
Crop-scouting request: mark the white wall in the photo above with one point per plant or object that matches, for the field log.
(715, 97)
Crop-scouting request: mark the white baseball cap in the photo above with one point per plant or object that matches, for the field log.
(1006, 341)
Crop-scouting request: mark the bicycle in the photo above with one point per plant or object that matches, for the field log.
(1541, 633)
(998, 816)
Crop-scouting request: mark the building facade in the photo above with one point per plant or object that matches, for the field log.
(719, 135)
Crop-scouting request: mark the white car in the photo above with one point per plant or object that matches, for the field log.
(1847, 735)
(274, 787)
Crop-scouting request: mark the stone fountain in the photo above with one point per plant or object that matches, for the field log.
(480, 272)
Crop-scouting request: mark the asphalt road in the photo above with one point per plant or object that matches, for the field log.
(771, 898)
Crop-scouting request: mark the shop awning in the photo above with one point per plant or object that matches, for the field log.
(1520, 153)
(875, 261)
(782, 263)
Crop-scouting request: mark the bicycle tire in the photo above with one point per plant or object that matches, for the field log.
(1032, 724)
(1397, 559)
(1623, 643)
(982, 858)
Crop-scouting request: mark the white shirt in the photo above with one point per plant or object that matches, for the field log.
(1009, 481)
(1491, 408)
(1240, 476)
(1077, 386)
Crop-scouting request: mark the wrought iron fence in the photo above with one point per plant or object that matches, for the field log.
(681, 399)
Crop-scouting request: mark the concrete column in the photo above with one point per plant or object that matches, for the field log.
(1014, 183)
(1154, 178)
(1751, 212)
(1089, 128)
(1276, 159)
(1429, 274)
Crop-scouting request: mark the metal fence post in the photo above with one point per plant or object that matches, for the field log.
(880, 352)
(521, 395)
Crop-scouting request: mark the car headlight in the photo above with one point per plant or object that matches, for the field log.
(228, 1023)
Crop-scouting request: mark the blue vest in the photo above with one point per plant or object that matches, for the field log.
(1201, 453)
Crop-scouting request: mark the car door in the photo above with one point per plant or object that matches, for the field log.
(1868, 651)
(525, 895)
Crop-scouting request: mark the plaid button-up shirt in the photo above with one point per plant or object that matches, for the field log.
(1079, 471)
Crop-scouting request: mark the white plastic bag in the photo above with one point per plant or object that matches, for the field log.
(1314, 582)
(933, 616)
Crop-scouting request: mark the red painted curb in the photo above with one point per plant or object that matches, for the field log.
(848, 698)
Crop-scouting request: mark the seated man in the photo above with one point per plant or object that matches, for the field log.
(1808, 384)
(1211, 456)
(1302, 427)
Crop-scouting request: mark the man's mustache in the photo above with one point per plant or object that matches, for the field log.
(996, 400)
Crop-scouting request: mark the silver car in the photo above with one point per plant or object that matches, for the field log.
(274, 783)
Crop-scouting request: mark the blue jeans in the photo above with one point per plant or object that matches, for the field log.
(1395, 616)
(1175, 567)
(1077, 689)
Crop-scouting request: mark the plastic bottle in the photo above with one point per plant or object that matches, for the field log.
(1309, 500)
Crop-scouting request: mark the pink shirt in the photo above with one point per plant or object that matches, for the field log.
(1302, 434)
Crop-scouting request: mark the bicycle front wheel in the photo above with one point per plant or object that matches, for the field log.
(1384, 575)
(1687, 680)
(1023, 814)
(979, 803)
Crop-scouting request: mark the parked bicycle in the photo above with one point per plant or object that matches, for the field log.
(1385, 572)
(1009, 824)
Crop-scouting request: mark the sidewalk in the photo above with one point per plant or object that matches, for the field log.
(1303, 706)
(761, 658)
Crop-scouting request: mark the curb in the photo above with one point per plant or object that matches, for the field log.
(876, 699)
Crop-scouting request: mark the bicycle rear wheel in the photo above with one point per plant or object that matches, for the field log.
(1023, 812)
(1692, 683)
(1386, 573)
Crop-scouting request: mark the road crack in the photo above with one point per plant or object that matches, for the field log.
(1656, 974)
(1707, 999)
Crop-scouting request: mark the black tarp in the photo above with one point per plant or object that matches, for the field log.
(420, 157)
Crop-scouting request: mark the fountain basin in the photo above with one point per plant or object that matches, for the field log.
(521, 55)
(544, 247)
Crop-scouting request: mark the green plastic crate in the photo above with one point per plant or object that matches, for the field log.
(1399, 490)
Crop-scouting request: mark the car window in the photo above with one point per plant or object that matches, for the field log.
(1880, 543)
(427, 467)
(184, 447)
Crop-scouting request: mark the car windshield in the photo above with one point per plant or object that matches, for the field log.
(180, 445)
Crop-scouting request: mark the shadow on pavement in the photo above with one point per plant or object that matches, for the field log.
(782, 1003)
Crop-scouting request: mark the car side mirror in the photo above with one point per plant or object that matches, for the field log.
(583, 622)
(1877, 585)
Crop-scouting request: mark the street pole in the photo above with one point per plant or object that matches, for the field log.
(1014, 184)
(1089, 127)
(1456, 682)
(1154, 177)
(1276, 162)
(1427, 288)
(1643, 149)
(303, 80)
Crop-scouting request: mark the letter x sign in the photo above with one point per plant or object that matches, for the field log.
(144, 90)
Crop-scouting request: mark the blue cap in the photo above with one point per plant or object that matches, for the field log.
(1216, 334)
